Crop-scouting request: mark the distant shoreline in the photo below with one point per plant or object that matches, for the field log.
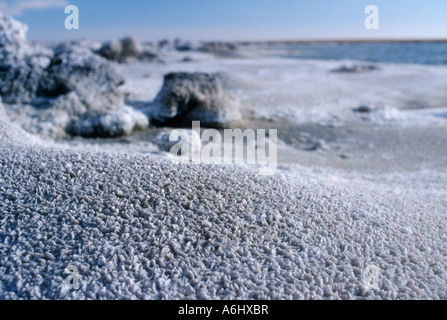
(340, 41)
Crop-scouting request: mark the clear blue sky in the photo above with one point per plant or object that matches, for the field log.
(231, 19)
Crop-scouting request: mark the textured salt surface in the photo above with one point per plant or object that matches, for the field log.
(141, 227)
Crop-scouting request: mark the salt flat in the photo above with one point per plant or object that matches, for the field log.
(360, 186)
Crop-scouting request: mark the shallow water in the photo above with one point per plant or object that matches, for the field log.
(431, 53)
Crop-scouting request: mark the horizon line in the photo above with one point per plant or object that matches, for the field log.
(277, 41)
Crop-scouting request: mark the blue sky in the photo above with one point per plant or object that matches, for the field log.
(231, 19)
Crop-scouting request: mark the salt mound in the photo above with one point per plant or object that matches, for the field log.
(11, 133)
(141, 227)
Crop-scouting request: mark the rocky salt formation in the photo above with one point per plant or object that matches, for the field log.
(225, 49)
(12, 32)
(68, 76)
(63, 85)
(21, 64)
(79, 81)
(355, 69)
(182, 45)
(364, 109)
(112, 123)
(126, 50)
(111, 50)
(187, 97)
